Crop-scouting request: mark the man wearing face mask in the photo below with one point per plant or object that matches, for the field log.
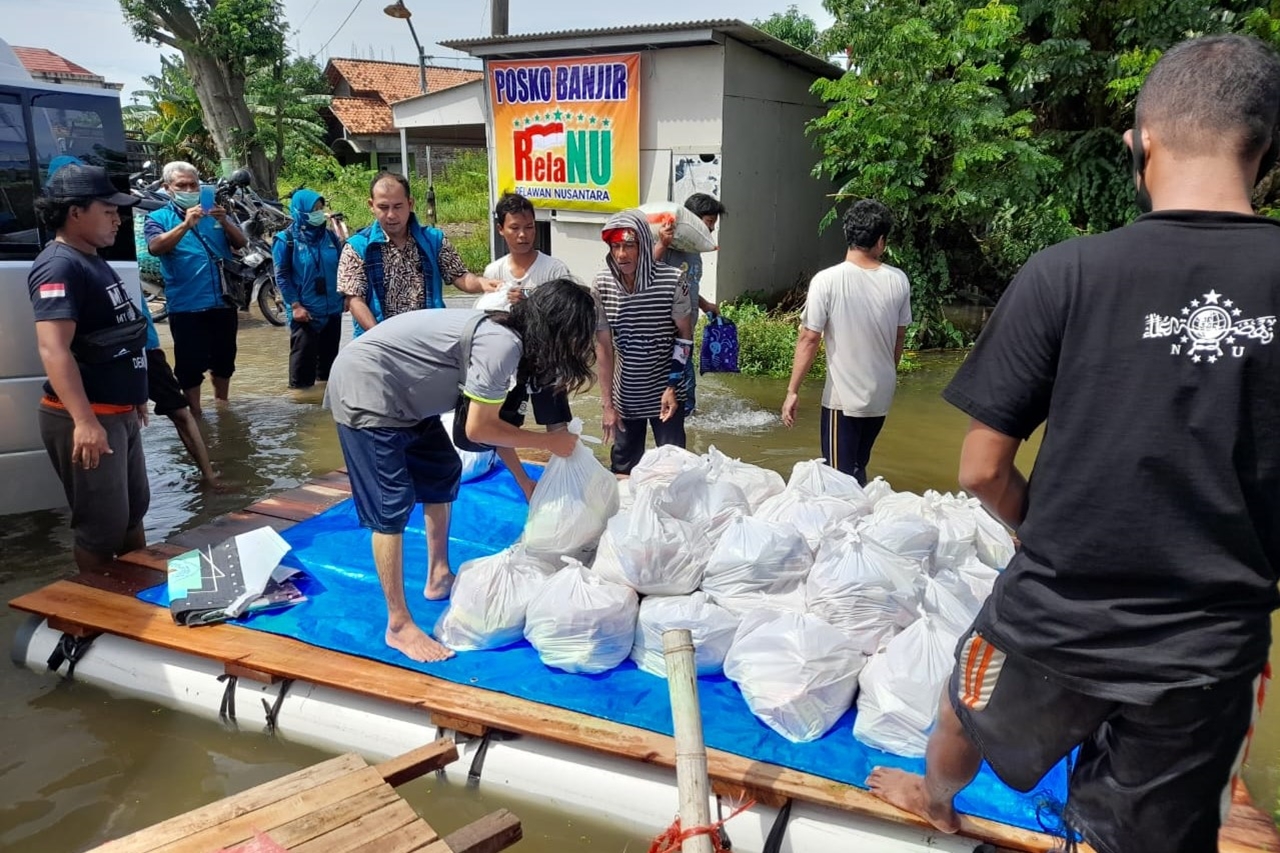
(189, 241)
(1134, 622)
(306, 263)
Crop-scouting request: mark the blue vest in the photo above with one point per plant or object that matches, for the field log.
(191, 280)
(368, 243)
(297, 271)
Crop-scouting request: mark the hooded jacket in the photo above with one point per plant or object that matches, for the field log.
(306, 262)
(641, 321)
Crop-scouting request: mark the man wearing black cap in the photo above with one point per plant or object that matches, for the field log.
(92, 340)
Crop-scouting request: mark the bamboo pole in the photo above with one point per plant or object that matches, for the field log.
(691, 752)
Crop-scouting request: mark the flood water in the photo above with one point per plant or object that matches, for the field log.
(79, 765)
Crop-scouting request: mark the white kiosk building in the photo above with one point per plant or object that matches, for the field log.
(723, 109)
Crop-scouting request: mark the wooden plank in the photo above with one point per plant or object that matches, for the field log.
(122, 578)
(155, 556)
(406, 839)
(239, 670)
(459, 724)
(270, 818)
(314, 823)
(418, 762)
(336, 480)
(301, 503)
(233, 806)
(735, 794)
(293, 659)
(226, 526)
(65, 626)
(491, 833)
(362, 830)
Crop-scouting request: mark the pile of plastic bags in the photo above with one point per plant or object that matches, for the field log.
(807, 592)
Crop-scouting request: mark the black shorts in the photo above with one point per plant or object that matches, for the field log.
(1147, 779)
(162, 385)
(549, 407)
(204, 341)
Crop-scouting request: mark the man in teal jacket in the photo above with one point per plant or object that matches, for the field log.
(306, 264)
(396, 264)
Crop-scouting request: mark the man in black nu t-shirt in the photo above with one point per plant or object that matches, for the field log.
(1135, 620)
(92, 339)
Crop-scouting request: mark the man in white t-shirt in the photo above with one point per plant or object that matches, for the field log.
(522, 269)
(862, 307)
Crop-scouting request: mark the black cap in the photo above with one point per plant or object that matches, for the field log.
(76, 181)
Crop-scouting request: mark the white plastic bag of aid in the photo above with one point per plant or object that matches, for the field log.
(877, 490)
(474, 465)
(995, 545)
(691, 232)
(815, 478)
(855, 586)
(756, 564)
(495, 300)
(710, 624)
(573, 501)
(900, 687)
(758, 484)
(662, 465)
(815, 516)
(650, 550)
(580, 622)
(489, 600)
(797, 673)
(904, 534)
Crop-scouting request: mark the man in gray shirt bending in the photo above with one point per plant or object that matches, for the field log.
(387, 391)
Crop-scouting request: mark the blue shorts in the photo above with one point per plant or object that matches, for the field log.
(393, 468)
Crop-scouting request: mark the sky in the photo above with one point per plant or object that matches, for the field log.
(92, 33)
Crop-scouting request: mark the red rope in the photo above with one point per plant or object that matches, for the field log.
(674, 837)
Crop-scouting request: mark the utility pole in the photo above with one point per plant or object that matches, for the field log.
(499, 14)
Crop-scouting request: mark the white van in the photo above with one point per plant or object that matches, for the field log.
(38, 122)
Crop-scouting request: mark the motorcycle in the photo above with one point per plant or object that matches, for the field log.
(260, 220)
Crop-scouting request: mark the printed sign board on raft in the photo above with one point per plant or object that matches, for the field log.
(567, 130)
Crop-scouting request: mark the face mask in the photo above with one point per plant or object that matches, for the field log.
(1141, 196)
(185, 200)
(316, 217)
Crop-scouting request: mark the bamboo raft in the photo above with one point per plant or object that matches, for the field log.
(337, 806)
(104, 603)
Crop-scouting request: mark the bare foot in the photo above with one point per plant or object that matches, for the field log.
(439, 585)
(907, 792)
(413, 643)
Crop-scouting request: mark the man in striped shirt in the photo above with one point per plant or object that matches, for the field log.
(644, 335)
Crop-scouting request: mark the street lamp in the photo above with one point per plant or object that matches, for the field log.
(401, 11)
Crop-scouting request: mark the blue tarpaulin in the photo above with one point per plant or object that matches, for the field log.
(345, 612)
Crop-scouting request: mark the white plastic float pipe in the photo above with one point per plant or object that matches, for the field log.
(691, 751)
(631, 796)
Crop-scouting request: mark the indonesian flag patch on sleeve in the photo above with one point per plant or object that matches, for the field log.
(53, 291)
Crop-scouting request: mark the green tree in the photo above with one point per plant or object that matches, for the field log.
(169, 116)
(284, 98)
(795, 28)
(219, 41)
(923, 123)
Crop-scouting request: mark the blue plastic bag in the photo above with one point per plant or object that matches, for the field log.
(719, 347)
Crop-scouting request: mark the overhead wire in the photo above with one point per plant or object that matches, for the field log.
(324, 46)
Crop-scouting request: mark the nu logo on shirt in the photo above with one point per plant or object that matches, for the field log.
(1204, 328)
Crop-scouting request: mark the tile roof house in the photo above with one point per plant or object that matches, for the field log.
(47, 66)
(360, 122)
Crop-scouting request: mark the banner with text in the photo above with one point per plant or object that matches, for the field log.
(567, 130)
